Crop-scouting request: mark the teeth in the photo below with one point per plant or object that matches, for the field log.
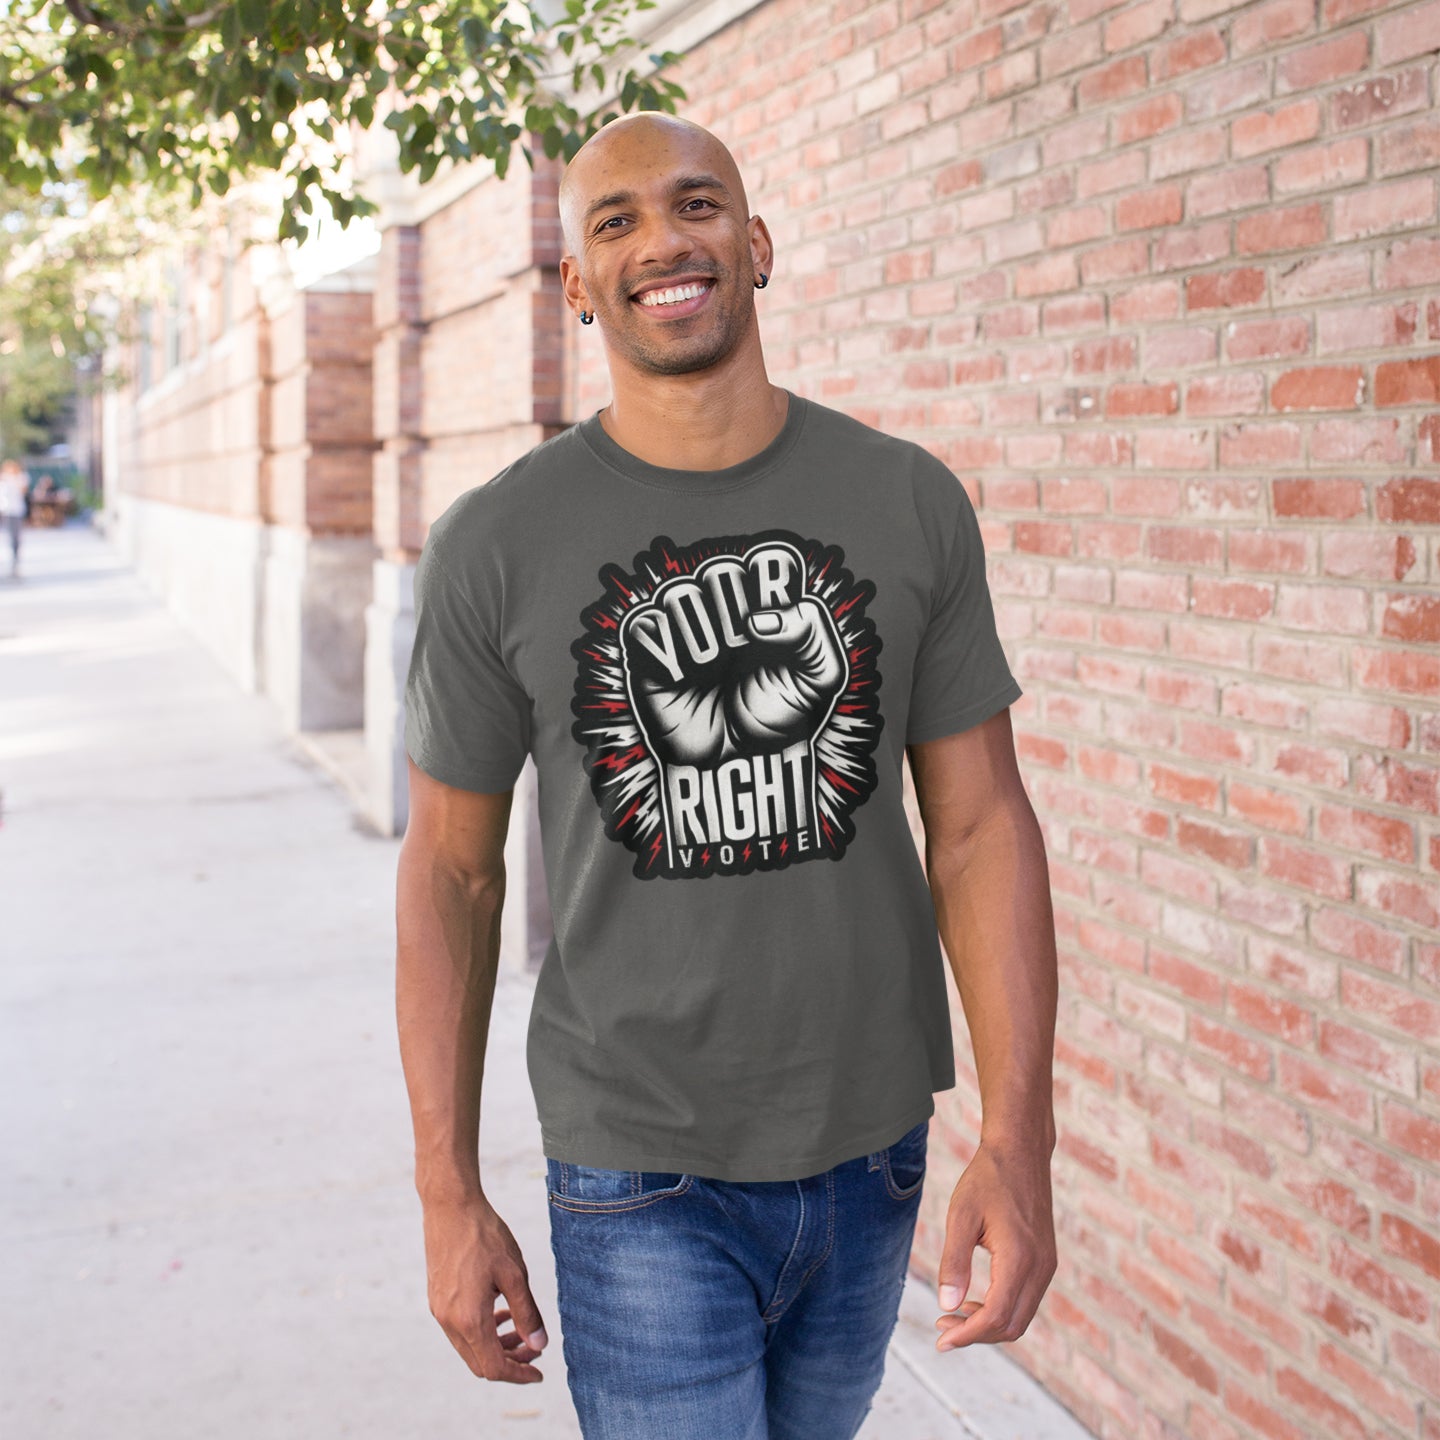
(671, 297)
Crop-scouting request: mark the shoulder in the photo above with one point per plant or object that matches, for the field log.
(885, 456)
(479, 520)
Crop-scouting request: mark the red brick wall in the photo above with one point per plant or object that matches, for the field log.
(1158, 281)
(323, 413)
(485, 303)
(197, 435)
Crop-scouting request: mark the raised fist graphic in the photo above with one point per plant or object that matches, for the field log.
(732, 660)
(732, 672)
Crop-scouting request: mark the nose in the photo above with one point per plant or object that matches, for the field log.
(663, 240)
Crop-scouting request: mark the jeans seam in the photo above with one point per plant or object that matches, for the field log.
(779, 1299)
(611, 1207)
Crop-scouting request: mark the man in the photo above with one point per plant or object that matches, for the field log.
(739, 1026)
(14, 485)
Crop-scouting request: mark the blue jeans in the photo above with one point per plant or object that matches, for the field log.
(698, 1309)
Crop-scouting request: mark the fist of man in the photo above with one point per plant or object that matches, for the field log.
(732, 672)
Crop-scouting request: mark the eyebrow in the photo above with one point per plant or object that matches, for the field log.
(624, 197)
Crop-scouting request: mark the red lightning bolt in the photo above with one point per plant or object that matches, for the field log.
(655, 849)
(618, 762)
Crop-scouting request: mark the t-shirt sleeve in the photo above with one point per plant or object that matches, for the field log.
(467, 719)
(961, 674)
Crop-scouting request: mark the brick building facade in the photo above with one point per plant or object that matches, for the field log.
(1158, 281)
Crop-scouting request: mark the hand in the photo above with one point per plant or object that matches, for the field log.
(1002, 1201)
(733, 660)
(472, 1258)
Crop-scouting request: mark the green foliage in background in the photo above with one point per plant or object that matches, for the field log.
(47, 320)
(192, 96)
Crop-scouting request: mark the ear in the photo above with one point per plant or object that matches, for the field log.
(762, 248)
(572, 284)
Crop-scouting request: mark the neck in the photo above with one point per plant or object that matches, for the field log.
(706, 421)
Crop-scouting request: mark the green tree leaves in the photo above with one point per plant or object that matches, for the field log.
(192, 96)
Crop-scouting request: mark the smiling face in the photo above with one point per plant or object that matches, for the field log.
(660, 246)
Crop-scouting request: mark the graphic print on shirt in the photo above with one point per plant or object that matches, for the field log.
(728, 703)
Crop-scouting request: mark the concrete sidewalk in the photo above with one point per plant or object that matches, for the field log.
(208, 1218)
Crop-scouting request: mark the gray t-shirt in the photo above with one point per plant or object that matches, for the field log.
(717, 673)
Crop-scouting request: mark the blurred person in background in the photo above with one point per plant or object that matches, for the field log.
(14, 495)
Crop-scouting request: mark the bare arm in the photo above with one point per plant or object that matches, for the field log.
(450, 887)
(985, 859)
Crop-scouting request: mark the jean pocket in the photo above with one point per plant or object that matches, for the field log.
(903, 1163)
(591, 1188)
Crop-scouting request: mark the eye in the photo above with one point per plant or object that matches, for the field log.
(698, 200)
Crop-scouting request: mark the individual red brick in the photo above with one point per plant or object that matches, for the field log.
(1277, 1326)
(1322, 1086)
(1416, 901)
(1406, 502)
(1369, 1277)
(1298, 228)
(1138, 400)
(1186, 1359)
(1232, 599)
(1323, 874)
(1350, 935)
(1390, 1005)
(1352, 1323)
(1242, 1053)
(1319, 388)
(1227, 847)
(1370, 557)
(1197, 983)
(1335, 1420)
(1379, 1060)
(1295, 969)
(1408, 1241)
(1372, 1389)
(1385, 836)
(1411, 618)
(1259, 1418)
(1417, 1360)
(1183, 787)
(1269, 551)
(1409, 672)
(1243, 1151)
(1318, 499)
(1413, 1132)
(1167, 1204)
(1190, 1262)
(1260, 1010)
(1387, 779)
(1318, 764)
(1269, 808)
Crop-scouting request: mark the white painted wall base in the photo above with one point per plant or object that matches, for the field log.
(284, 613)
(313, 646)
(389, 635)
(207, 568)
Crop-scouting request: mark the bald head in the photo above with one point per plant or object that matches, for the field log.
(619, 155)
